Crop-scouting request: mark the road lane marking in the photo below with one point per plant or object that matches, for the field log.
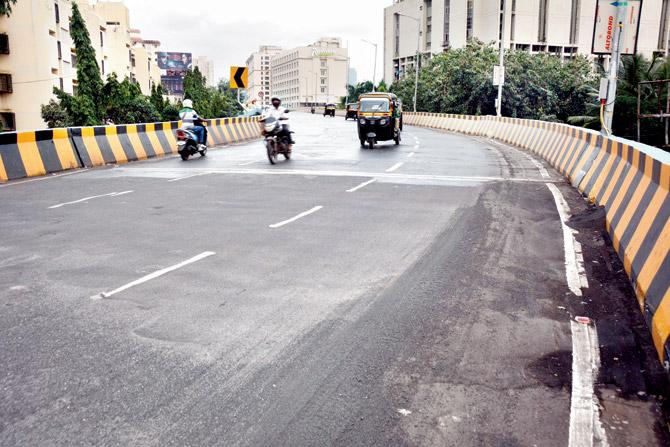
(85, 199)
(362, 185)
(585, 426)
(189, 176)
(410, 155)
(538, 165)
(299, 216)
(153, 275)
(250, 163)
(574, 260)
(395, 166)
(46, 177)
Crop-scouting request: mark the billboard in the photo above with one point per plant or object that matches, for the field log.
(603, 32)
(173, 68)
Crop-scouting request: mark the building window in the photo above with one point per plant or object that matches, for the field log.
(447, 11)
(60, 50)
(396, 33)
(663, 31)
(102, 67)
(324, 63)
(469, 21)
(429, 23)
(5, 83)
(323, 89)
(61, 83)
(323, 81)
(574, 21)
(542, 21)
(8, 121)
(57, 13)
(73, 59)
(102, 39)
(4, 43)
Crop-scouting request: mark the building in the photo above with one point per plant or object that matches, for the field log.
(561, 27)
(206, 67)
(260, 76)
(353, 76)
(37, 54)
(315, 73)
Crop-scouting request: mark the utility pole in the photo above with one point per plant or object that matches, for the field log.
(502, 59)
(346, 82)
(374, 73)
(615, 60)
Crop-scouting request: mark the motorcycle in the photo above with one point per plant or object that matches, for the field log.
(275, 143)
(187, 144)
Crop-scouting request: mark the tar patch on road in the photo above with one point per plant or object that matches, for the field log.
(632, 386)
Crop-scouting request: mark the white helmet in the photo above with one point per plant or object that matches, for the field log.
(188, 103)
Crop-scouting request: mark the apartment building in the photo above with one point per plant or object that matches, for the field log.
(260, 75)
(315, 73)
(206, 67)
(561, 27)
(37, 54)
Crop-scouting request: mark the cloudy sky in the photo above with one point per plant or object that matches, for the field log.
(229, 31)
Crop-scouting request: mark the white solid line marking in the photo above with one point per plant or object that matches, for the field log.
(249, 163)
(189, 176)
(47, 177)
(574, 261)
(416, 146)
(299, 216)
(111, 194)
(538, 165)
(585, 426)
(153, 275)
(362, 185)
(395, 166)
(410, 155)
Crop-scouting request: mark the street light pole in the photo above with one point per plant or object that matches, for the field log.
(614, 65)
(417, 57)
(502, 59)
(374, 73)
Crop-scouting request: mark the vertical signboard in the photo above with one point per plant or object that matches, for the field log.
(605, 22)
(173, 68)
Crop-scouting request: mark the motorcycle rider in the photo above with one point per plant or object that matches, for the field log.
(280, 113)
(189, 118)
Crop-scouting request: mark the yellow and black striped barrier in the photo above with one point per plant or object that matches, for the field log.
(233, 130)
(630, 180)
(29, 154)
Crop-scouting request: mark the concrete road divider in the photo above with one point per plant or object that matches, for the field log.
(102, 145)
(29, 154)
(630, 180)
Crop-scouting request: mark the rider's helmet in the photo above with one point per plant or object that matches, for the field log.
(277, 100)
(188, 103)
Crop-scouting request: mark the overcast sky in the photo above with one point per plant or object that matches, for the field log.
(229, 31)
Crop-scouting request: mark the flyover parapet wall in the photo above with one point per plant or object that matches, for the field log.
(35, 153)
(630, 180)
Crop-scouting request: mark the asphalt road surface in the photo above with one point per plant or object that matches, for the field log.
(410, 295)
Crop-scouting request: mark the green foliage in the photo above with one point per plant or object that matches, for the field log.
(6, 7)
(210, 102)
(56, 115)
(537, 86)
(124, 103)
(89, 81)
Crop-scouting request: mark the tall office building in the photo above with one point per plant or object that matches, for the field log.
(206, 67)
(311, 74)
(561, 27)
(260, 76)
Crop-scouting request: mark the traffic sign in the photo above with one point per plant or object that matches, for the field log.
(605, 22)
(239, 77)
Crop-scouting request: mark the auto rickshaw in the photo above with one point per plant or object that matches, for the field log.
(329, 110)
(379, 118)
(352, 111)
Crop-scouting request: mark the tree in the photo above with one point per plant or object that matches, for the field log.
(382, 87)
(125, 103)
(6, 7)
(56, 115)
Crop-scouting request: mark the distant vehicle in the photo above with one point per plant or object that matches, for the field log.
(275, 143)
(329, 110)
(352, 111)
(379, 118)
(187, 144)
